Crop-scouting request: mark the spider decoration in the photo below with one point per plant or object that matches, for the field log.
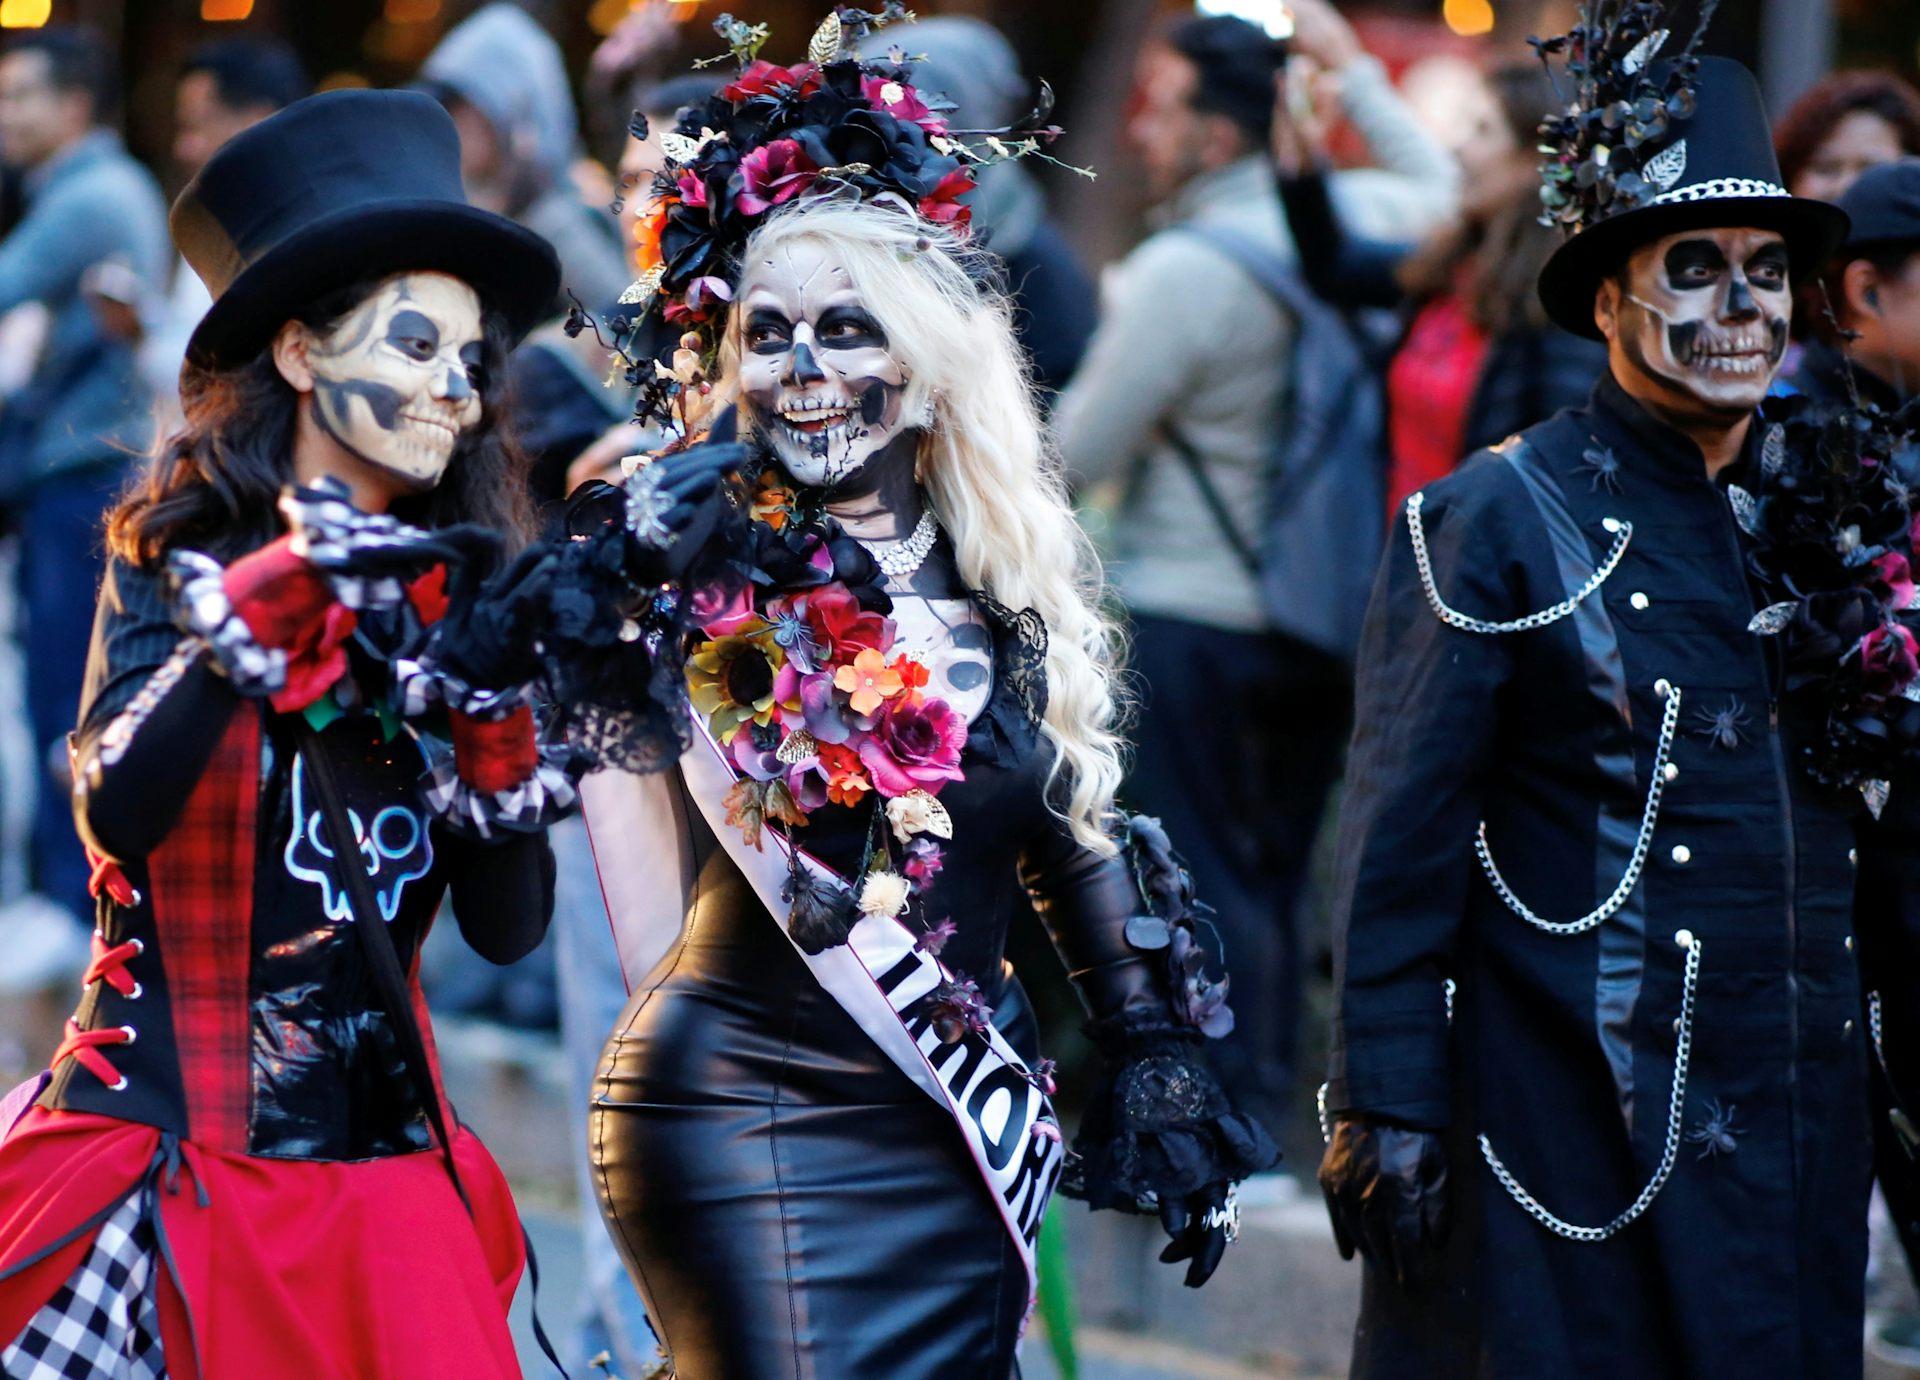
(1724, 727)
(1717, 1135)
(1603, 466)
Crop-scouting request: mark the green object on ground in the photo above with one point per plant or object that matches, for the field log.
(1055, 1303)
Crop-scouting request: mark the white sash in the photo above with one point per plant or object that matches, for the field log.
(886, 984)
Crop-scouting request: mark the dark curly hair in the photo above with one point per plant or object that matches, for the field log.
(214, 485)
(1808, 123)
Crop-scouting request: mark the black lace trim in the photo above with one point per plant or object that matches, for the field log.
(1159, 1126)
(1008, 729)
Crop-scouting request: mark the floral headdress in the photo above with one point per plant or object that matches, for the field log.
(836, 124)
(1612, 149)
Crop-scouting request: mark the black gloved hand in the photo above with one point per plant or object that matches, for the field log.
(1200, 1224)
(674, 505)
(489, 635)
(1386, 1191)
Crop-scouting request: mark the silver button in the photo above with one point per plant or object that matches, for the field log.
(1676, 1025)
(1853, 856)
(1610, 524)
(1682, 853)
(1847, 1029)
(1638, 600)
(1684, 938)
(1848, 941)
(1662, 687)
(1670, 771)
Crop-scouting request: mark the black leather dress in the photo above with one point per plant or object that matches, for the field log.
(789, 1204)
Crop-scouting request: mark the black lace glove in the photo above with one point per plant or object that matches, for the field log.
(489, 637)
(674, 505)
(1386, 1191)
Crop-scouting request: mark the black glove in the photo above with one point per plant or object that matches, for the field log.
(489, 635)
(1199, 1225)
(674, 505)
(1386, 1191)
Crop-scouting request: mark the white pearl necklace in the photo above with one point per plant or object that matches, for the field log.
(900, 559)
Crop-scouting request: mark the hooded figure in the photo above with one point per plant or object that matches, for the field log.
(503, 79)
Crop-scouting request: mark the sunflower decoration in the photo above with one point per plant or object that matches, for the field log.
(833, 124)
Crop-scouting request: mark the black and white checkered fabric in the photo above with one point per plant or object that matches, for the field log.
(103, 1324)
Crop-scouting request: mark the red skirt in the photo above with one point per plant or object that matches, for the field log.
(329, 1270)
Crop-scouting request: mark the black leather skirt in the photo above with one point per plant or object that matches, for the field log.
(789, 1204)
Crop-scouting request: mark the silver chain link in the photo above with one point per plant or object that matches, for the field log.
(1676, 1108)
(1622, 534)
(1669, 724)
(1873, 1029)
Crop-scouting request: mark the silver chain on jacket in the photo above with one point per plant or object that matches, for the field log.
(1621, 529)
(1676, 1105)
(1669, 723)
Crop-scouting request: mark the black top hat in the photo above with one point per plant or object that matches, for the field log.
(336, 188)
(1712, 168)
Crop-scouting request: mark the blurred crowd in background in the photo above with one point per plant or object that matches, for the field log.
(1290, 203)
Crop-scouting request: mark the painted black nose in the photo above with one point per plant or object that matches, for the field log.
(802, 367)
(1740, 303)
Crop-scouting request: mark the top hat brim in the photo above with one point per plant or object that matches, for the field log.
(1813, 230)
(514, 271)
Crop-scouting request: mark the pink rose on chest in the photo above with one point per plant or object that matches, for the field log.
(915, 746)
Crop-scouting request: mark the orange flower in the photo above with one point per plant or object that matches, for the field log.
(847, 778)
(913, 676)
(771, 503)
(868, 682)
(647, 231)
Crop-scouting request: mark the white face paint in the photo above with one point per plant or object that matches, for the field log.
(816, 376)
(1706, 312)
(397, 381)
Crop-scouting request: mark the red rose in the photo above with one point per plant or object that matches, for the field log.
(915, 746)
(841, 628)
(772, 175)
(1889, 661)
(763, 78)
(943, 206)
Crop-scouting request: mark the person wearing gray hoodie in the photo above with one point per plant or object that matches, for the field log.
(504, 81)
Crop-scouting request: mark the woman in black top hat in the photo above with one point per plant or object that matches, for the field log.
(240, 1162)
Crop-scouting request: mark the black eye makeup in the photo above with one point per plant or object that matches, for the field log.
(474, 356)
(1694, 263)
(414, 334)
(1768, 266)
(767, 332)
(850, 328)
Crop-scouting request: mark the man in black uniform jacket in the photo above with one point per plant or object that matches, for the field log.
(1612, 889)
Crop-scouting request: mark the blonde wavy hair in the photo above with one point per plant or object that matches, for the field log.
(985, 464)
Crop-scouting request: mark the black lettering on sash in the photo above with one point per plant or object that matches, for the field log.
(1027, 1194)
(971, 1051)
(1002, 1079)
(898, 973)
(916, 1016)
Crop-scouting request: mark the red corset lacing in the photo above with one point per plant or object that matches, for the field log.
(108, 965)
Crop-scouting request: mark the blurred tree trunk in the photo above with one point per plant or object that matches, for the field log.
(1099, 215)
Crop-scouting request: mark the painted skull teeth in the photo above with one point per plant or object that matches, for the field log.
(811, 416)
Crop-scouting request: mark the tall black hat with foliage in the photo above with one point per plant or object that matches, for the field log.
(836, 124)
(1652, 142)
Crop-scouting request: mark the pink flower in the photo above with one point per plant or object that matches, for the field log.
(915, 745)
(1889, 662)
(902, 102)
(693, 190)
(722, 613)
(772, 175)
(1897, 576)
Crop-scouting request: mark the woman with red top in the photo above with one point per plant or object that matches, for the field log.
(241, 1162)
(1479, 360)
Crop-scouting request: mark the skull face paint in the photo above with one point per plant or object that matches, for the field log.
(816, 376)
(399, 378)
(1705, 313)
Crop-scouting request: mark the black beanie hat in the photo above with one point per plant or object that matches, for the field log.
(1236, 61)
